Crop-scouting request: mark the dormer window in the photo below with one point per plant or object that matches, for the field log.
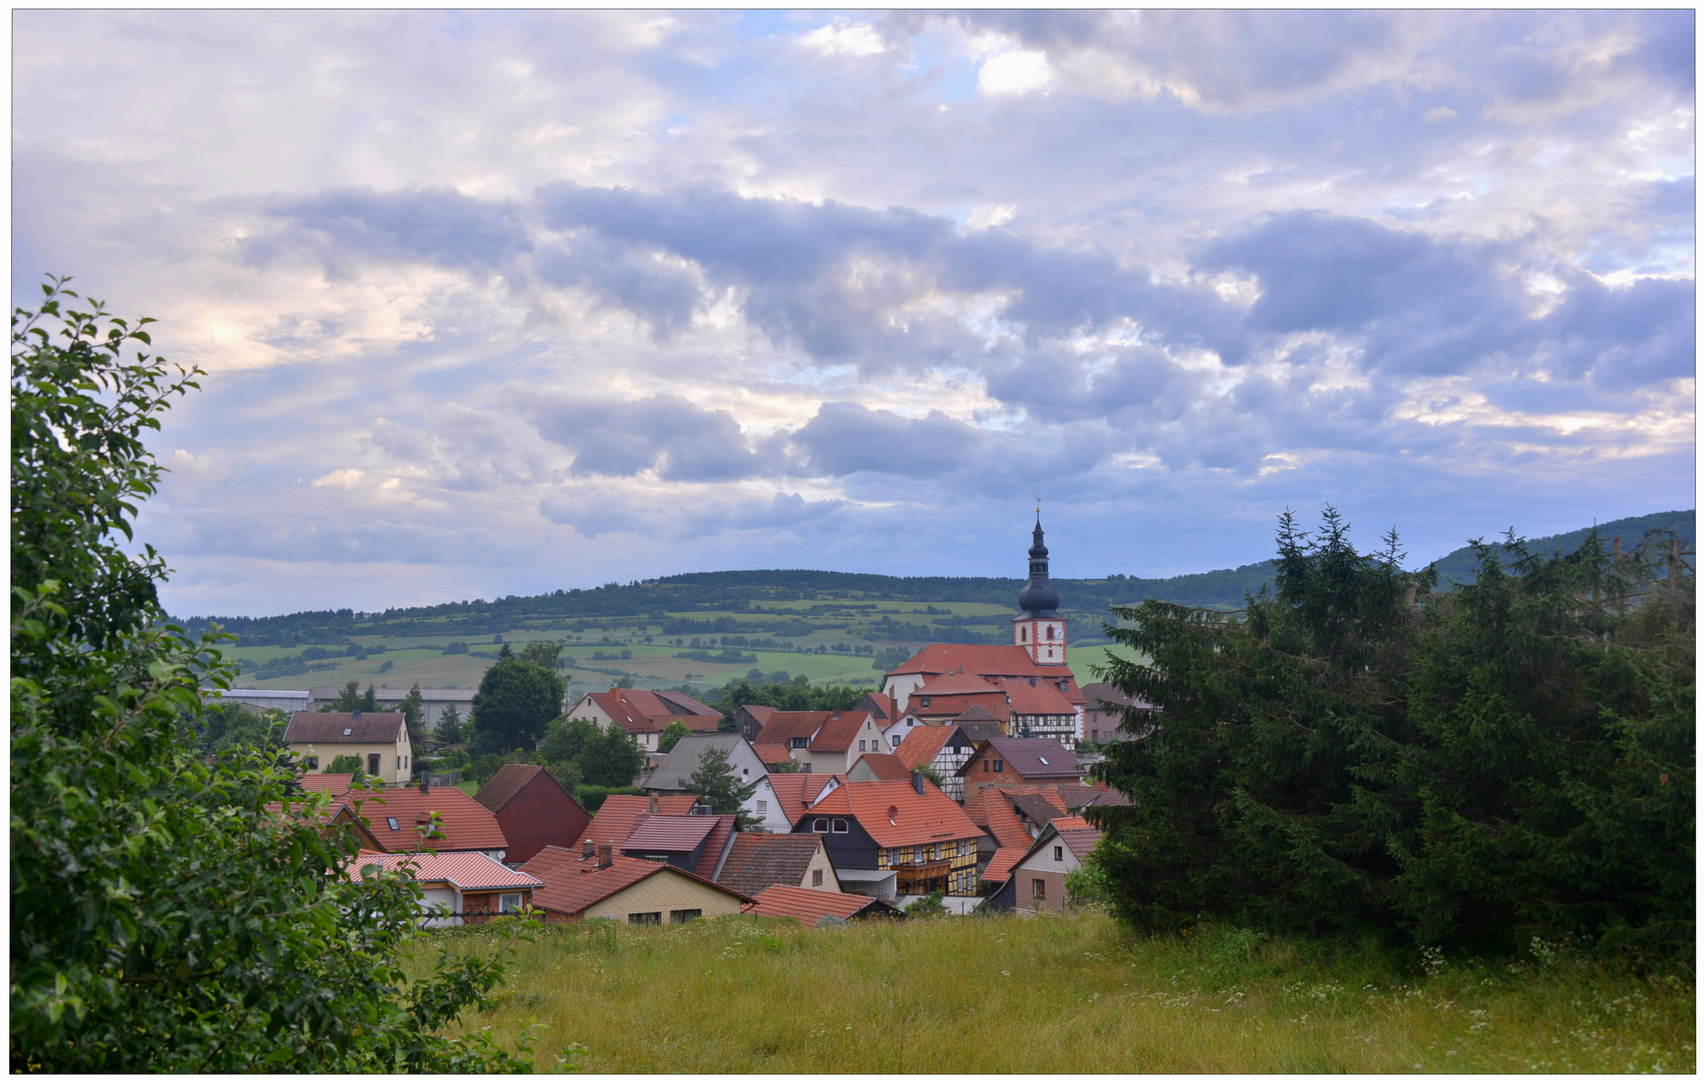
(348, 731)
(819, 825)
(1041, 759)
(840, 825)
(392, 823)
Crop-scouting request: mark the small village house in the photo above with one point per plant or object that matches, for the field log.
(821, 741)
(798, 792)
(943, 747)
(460, 888)
(615, 819)
(1012, 817)
(644, 714)
(911, 830)
(402, 818)
(533, 810)
(756, 861)
(1009, 762)
(1037, 881)
(694, 842)
(379, 740)
(877, 767)
(597, 883)
(811, 907)
(675, 772)
(1103, 712)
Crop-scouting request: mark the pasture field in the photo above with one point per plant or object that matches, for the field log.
(1049, 994)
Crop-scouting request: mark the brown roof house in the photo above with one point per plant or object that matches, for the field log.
(815, 908)
(1019, 761)
(1012, 817)
(675, 773)
(697, 843)
(758, 860)
(1037, 881)
(404, 819)
(533, 810)
(596, 883)
(380, 740)
(823, 742)
(644, 714)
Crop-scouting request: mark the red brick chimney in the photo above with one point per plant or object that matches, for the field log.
(606, 856)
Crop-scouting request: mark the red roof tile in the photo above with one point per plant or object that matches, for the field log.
(619, 813)
(642, 712)
(670, 834)
(989, 661)
(838, 732)
(759, 860)
(333, 784)
(572, 884)
(463, 869)
(957, 682)
(1000, 866)
(895, 815)
(771, 753)
(505, 784)
(329, 728)
(781, 727)
(1041, 699)
(465, 825)
(884, 767)
(810, 905)
(797, 791)
(924, 742)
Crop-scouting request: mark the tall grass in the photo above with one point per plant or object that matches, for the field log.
(1062, 994)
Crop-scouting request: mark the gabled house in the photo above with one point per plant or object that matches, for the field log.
(943, 747)
(331, 820)
(1079, 797)
(910, 830)
(751, 719)
(400, 819)
(615, 819)
(1104, 711)
(756, 861)
(811, 906)
(596, 883)
(697, 843)
(1012, 817)
(798, 792)
(379, 740)
(644, 714)
(995, 663)
(877, 767)
(533, 810)
(1007, 762)
(823, 742)
(461, 887)
(675, 772)
(979, 725)
(1037, 880)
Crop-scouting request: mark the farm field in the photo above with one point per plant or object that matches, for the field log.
(1057, 994)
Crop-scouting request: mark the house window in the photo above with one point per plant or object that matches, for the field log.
(999, 766)
(909, 721)
(839, 824)
(762, 807)
(686, 915)
(509, 901)
(1064, 684)
(1039, 888)
(925, 703)
(646, 918)
(805, 766)
(372, 764)
(1058, 853)
(819, 825)
(392, 823)
(984, 764)
(861, 745)
(816, 879)
(917, 855)
(312, 763)
(799, 742)
(745, 772)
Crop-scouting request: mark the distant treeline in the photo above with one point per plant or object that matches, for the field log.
(793, 601)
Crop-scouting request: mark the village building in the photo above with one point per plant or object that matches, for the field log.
(751, 719)
(460, 888)
(615, 819)
(697, 843)
(405, 819)
(822, 741)
(1103, 712)
(757, 861)
(1037, 880)
(1012, 817)
(943, 747)
(812, 907)
(675, 772)
(877, 767)
(434, 700)
(911, 830)
(798, 792)
(1030, 707)
(533, 809)
(644, 714)
(1008, 762)
(598, 883)
(379, 740)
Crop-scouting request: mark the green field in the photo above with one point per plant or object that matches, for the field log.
(1059, 994)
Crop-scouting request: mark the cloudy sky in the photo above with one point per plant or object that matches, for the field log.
(502, 303)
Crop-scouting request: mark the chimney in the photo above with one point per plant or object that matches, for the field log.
(917, 782)
(589, 850)
(356, 714)
(425, 783)
(653, 802)
(606, 856)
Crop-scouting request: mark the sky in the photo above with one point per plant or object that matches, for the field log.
(501, 303)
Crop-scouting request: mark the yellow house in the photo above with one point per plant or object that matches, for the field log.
(599, 884)
(380, 740)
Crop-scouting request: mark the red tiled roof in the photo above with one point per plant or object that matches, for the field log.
(1035, 759)
(990, 661)
(955, 706)
(885, 766)
(328, 728)
(796, 791)
(463, 869)
(1041, 699)
(1081, 841)
(466, 825)
(1000, 866)
(783, 726)
(771, 753)
(956, 683)
(808, 905)
(670, 834)
(916, 819)
(333, 784)
(759, 860)
(993, 812)
(642, 712)
(881, 707)
(924, 742)
(619, 813)
(838, 732)
(505, 784)
(573, 884)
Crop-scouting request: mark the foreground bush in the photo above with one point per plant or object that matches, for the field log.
(1509, 759)
(164, 916)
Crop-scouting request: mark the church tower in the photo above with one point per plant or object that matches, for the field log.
(1040, 630)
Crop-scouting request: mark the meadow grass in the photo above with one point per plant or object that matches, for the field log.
(1068, 993)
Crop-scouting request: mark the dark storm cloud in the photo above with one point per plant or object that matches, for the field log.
(624, 438)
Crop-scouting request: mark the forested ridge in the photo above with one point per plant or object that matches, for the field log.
(794, 602)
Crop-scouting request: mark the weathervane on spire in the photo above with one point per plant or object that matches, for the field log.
(1038, 506)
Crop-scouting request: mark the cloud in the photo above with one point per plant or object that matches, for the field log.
(601, 511)
(668, 434)
(441, 227)
(1014, 73)
(845, 437)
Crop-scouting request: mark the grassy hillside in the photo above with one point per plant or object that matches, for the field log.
(1461, 565)
(1052, 994)
(703, 629)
